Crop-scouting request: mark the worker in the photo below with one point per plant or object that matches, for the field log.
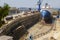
(30, 37)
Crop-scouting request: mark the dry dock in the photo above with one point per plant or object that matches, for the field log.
(45, 31)
(19, 28)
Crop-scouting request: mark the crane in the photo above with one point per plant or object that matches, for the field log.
(45, 14)
(39, 5)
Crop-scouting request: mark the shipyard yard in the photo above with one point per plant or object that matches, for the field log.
(29, 20)
(43, 24)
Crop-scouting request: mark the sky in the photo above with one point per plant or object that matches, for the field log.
(30, 3)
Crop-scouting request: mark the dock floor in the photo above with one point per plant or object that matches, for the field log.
(45, 31)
